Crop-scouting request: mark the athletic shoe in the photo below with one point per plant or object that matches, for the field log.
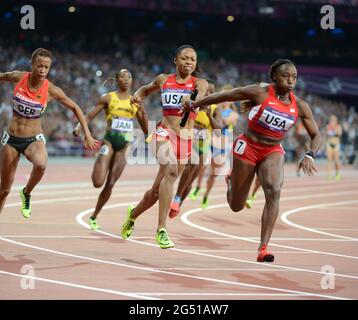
(205, 203)
(25, 204)
(250, 201)
(163, 240)
(93, 224)
(128, 225)
(194, 193)
(174, 209)
(265, 256)
(338, 177)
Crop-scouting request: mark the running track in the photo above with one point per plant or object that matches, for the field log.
(215, 253)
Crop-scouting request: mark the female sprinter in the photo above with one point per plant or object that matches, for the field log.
(32, 93)
(111, 159)
(275, 110)
(173, 145)
(204, 123)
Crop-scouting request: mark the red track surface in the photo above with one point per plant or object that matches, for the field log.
(215, 252)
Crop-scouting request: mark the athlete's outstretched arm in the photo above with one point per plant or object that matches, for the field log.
(242, 93)
(308, 121)
(103, 102)
(148, 89)
(58, 94)
(142, 119)
(13, 76)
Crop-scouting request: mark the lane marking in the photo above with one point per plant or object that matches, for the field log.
(284, 218)
(80, 216)
(171, 273)
(185, 215)
(79, 286)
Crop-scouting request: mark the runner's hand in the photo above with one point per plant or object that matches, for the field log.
(307, 166)
(136, 100)
(90, 143)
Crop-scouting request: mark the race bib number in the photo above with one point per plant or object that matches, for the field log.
(40, 137)
(240, 146)
(200, 134)
(123, 125)
(104, 150)
(5, 138)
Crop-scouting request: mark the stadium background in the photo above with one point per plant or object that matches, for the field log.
(92, 40)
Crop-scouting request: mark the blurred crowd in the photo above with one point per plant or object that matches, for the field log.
(81, 75)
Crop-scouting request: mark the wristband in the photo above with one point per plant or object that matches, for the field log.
(308, 155)
(311, 154)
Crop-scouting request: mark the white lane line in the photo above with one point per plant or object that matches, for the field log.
(226, 269)
(89, 190)
(248, 251)
(284, 218)
(83, 198)
(295, 198)
(147, 269)
(173, 238)
(75, 185)
(220, 294)
(184, 217)
(70, 284)
(53, 237)
(80, 216)
(339, 229)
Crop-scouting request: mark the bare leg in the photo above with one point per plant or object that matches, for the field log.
(201, 176)
(36, 153)
(9, 159)
(242, 175)
(102, 165)
(257, 186)
(186, 178)
(151, 196)
(270, 172)
(197, 170)
(329, 160)
(336, 155)
(166, 190)
(117, 166)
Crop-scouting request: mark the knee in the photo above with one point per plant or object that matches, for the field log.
(273, 192)
(236, 207)
(40, 167)
(172, 174)
(97, 183)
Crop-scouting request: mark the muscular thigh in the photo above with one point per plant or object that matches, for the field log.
(118, 164)
(242, 175)
(103, 161)
(36, 153)
(9, 158)
(270, 170)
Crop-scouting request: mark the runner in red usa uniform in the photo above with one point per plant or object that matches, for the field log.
(275, 110)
